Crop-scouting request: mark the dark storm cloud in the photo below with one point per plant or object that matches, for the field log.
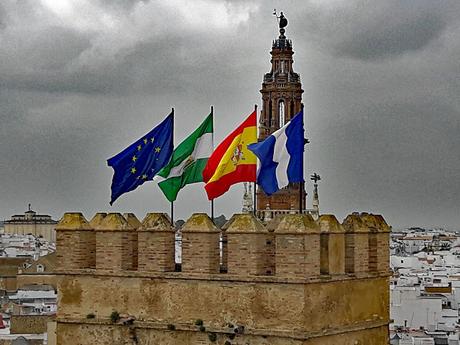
(380, 42)
(80, 80)
(401, 153)
(59, 59)
(378, 30)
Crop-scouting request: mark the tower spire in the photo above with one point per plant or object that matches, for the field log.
(281, 100)
(315, 203)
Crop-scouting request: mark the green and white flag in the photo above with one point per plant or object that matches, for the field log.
(187, 161)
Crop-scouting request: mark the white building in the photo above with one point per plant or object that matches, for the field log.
(410, 310)
(39, 225)
(34, 302)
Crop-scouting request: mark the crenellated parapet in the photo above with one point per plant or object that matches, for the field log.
(290, 246)
(294, 280)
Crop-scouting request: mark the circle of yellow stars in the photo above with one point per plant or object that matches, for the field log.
(135, 158)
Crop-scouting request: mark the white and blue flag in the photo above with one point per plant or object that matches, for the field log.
(281, 156)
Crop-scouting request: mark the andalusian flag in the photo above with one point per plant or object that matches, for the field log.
(187, 161)
(232, 162)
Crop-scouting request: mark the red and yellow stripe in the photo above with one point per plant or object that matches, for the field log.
(232, 162)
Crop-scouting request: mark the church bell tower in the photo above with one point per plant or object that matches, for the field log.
(281, 100)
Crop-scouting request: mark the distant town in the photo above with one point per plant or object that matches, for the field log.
(425, 287)
(28, 285)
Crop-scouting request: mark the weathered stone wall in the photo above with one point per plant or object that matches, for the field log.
(29, 324)
(37, 279)
(267, 305)
(104, 334)
(306, 298)
(51, 332)
(8, 283)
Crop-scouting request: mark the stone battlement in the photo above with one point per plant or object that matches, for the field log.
(294, 280)
(290, 246)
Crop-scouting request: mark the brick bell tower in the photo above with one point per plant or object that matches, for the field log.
(281, 100)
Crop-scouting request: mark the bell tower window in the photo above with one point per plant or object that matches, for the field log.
(270, 110)
(281, 113)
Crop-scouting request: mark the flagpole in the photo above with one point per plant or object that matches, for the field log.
(302, 184)
(212, 139)
(254, 208)
(212, 209)
(172, 202)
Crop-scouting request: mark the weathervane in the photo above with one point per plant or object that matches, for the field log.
(282, 21)
(315, 178)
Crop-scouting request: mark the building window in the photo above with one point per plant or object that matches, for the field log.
(270, 111)
(282, 116)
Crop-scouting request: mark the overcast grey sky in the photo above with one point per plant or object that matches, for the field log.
(81, 79)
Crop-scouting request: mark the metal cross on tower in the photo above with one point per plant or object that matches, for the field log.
(315, 178)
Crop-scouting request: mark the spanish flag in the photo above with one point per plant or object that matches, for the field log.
(232, 162)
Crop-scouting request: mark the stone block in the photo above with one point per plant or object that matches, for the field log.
(200, 245)
(379, 242)
(356, 244)
(247, 246)
(74, 242)
(332, 245)
(156, 244)
(114, 245)
(297, 246)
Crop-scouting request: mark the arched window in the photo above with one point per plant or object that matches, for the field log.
(270, 111)
(281, 114)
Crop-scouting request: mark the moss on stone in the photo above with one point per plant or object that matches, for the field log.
(328, 223)
(156, 222)
(244, 223)
(199, 222)
(73, 221)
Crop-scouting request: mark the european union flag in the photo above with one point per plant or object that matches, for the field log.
(141, 161)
